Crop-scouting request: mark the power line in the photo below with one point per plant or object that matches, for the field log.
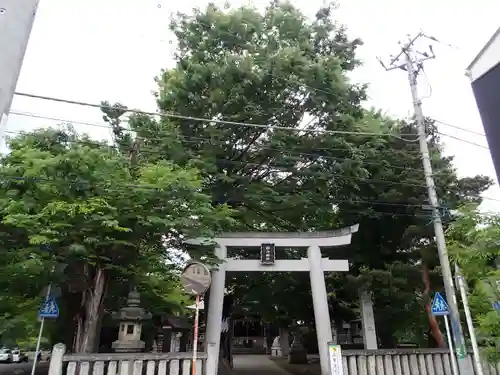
(463, 140)
(84, 183)
(283, 168)
(215, 121)
(230, 122)
(458, 127)
(194, 139)
(339, 176)
(128, 187)
(429, 37)
(171, 115)
(59, 119)
(107, 126)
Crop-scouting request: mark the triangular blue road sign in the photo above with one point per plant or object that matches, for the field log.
(49, 308)
(439, 305)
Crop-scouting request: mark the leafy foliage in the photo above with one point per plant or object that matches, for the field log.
(473, 242)
(79, 201)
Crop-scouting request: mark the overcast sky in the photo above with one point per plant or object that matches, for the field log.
(93, 50)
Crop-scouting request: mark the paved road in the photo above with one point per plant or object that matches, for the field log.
(23, 368)
(256, 364)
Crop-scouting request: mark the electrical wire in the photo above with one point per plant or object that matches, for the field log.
(427, 80)
(129, 187)
(170, 115)
(440, 41)
(284, 168)
(194, 139)
(152, 187)
(459, 128)
(197, 140)
(291, 153)
(339, 176)
(201, 119)
(463, 140)
(59, 119)
(107, 126)
(261, 125)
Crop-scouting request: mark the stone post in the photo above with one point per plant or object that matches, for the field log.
(320, 304)
(214, 319)
(284, 341)
(368, 321)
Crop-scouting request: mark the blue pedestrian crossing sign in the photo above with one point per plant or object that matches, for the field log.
(49, 308)
(439, 305)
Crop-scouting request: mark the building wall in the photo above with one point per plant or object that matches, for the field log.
(487, 93)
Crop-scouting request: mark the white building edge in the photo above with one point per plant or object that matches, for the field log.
(487, 58)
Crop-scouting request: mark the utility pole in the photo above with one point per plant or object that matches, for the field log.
(16, 21)
(412, 61)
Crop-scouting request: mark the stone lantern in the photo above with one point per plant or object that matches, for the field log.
(130, 318)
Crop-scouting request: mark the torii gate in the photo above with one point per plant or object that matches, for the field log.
(314, 263)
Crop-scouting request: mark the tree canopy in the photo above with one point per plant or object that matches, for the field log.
(82, 205)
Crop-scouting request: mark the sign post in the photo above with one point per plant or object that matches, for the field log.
(335, 359)
(195, 280)
(439, 307)
(462, 285)
(48, 310)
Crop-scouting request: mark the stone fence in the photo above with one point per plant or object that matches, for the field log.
(403, 362)
(355, 362)
(123, 363)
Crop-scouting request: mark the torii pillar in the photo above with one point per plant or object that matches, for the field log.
(315, 264)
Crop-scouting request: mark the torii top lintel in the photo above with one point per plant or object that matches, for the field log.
(331, 238)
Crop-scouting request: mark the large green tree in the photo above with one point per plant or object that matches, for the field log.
(397, 257)
(108, 221)
(279, 69)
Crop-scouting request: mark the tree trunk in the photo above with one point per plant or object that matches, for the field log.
(92, 301)
(65, 330)
(97, 339)
(79, 329)
(433, 324)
